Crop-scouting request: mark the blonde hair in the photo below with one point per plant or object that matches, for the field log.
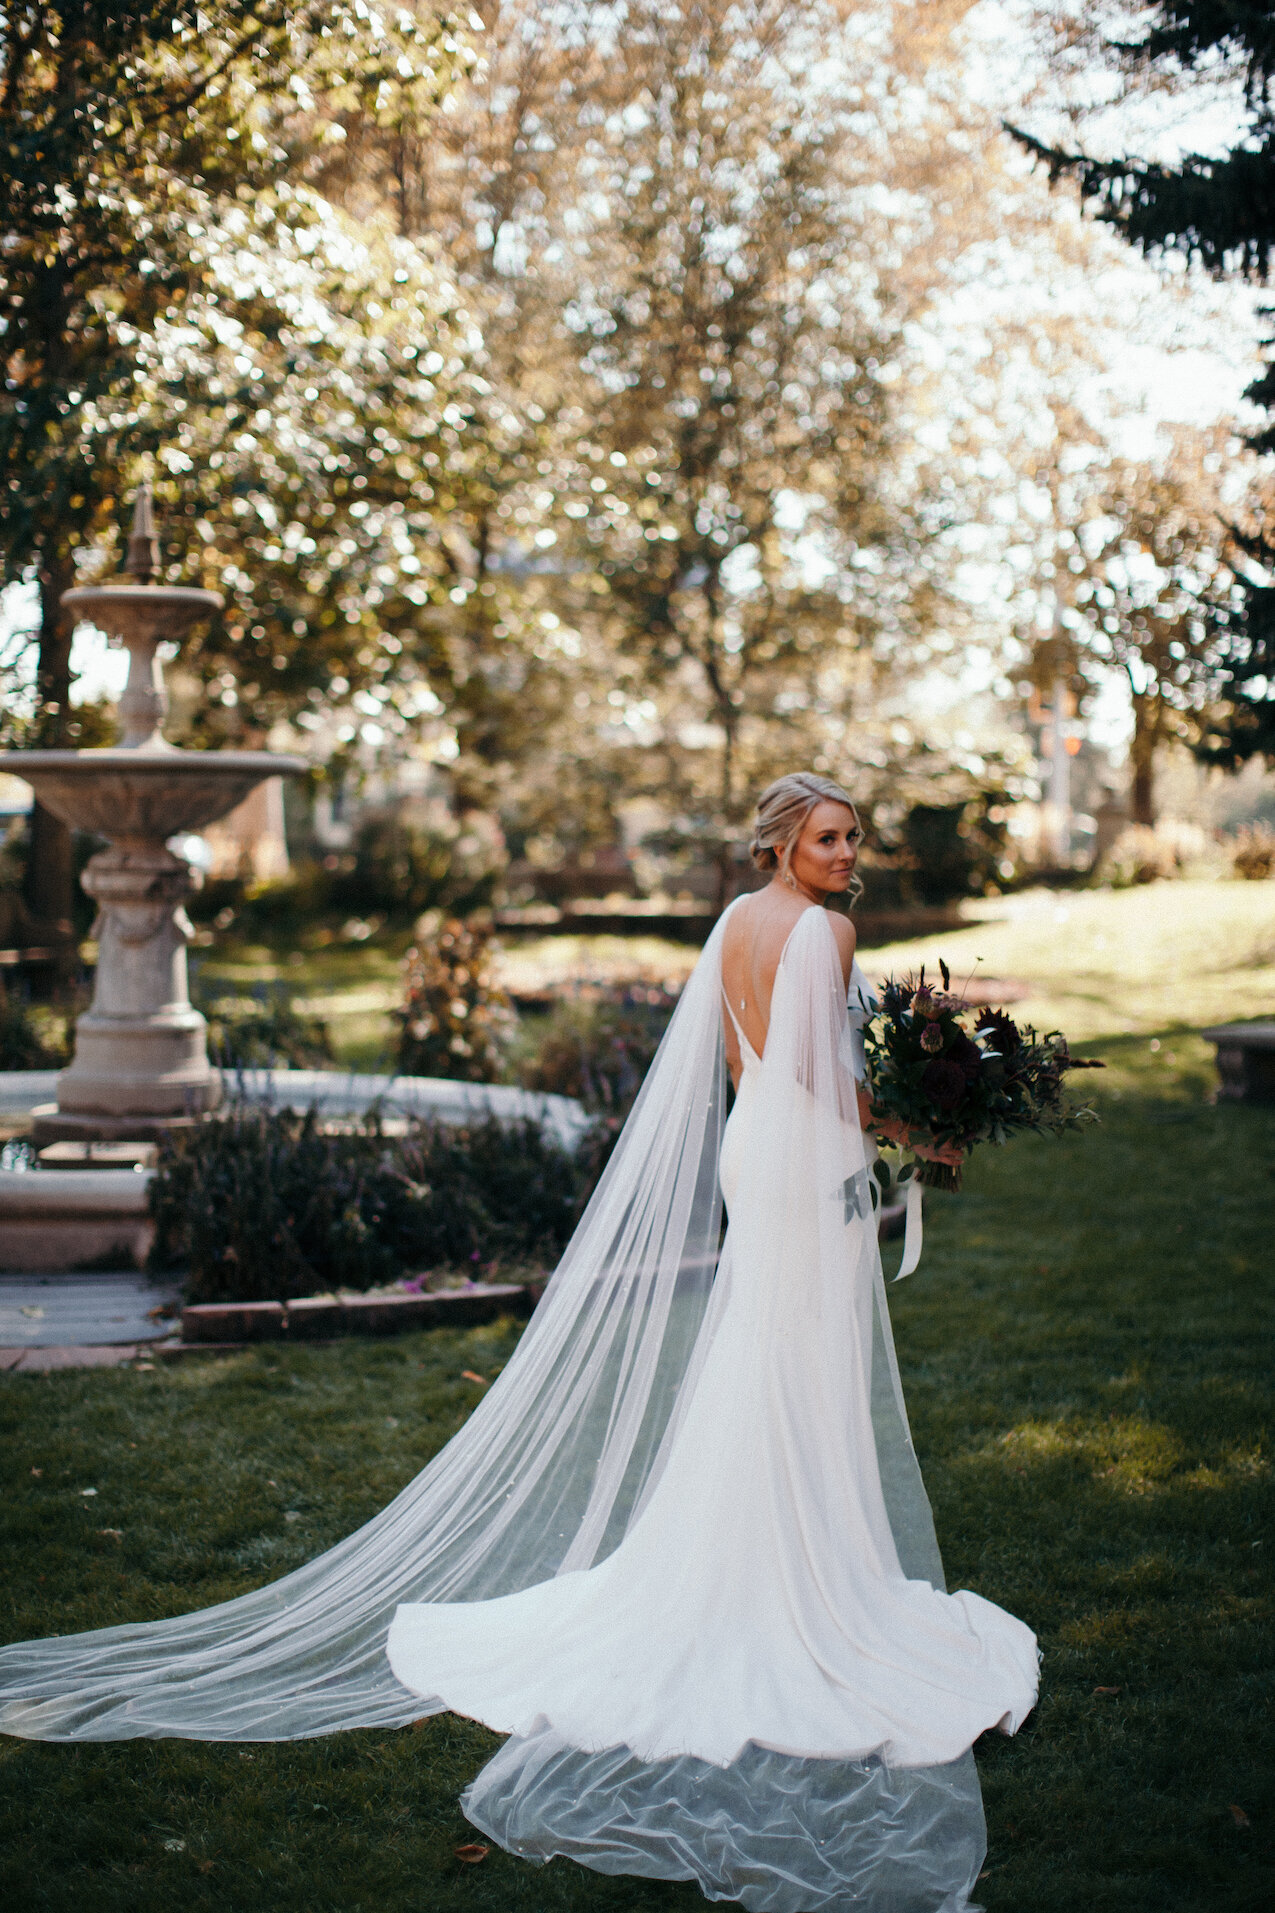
(782, 809)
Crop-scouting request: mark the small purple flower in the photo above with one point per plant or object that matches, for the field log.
(932, 1038)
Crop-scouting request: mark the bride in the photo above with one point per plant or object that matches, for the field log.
(681, 1553)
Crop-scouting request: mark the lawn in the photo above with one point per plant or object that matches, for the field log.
(1086, 1351)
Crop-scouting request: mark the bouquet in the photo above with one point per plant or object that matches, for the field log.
(942, 1083)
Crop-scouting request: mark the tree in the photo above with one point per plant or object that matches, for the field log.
(1151, 547)
(1218, 210)
(491, 183)
(158, 250)
(1122, 560)
(728, 530)
(713, 541)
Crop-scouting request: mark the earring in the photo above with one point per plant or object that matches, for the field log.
(790, 880)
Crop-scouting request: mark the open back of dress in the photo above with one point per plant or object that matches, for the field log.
(681, 1552)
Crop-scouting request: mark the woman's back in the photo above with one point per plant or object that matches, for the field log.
(757, 932)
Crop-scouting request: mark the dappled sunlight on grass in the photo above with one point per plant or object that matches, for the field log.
(1132, 1455)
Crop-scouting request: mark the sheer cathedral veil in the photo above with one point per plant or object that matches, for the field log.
(558, 1462)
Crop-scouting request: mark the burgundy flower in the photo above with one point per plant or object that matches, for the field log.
(966, 1054)
(1006, 1037)
(932, 1038)
(923, 1002)
(944, 1083)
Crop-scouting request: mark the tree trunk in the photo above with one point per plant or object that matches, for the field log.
(725, 863)
(1142, 762)
(49, 885)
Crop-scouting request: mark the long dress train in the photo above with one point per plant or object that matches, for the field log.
(681, 1554)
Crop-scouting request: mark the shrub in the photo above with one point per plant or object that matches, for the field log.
(397, 868)
(266, 1204)
(1253, 855)
(31, 1038)
(269, 905)
(1140, 855)
(454, 1022)
(401, 868)
(597, 1049)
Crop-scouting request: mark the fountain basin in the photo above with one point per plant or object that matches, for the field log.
(157, 612)
(145, 795)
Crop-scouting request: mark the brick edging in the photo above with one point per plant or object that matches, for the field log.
(318, 1318)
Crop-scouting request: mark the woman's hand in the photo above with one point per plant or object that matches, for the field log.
(892, 1129)
(950, 1153)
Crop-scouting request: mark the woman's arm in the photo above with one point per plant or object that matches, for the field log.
(845, 936)
(892, 1130)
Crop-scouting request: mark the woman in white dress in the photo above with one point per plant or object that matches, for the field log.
(681, 1554)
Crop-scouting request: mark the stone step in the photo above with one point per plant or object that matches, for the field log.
(65, 1219)
(98, 1155)
(54, 1311)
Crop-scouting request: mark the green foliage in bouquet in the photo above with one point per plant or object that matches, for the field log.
(942, 1084)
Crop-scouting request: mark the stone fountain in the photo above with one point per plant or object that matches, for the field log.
(141, 1061)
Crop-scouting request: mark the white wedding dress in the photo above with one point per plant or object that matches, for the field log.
(681, 1554)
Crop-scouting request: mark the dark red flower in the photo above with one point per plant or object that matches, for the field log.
(1005, 1031)
(944, 1083)
(965, 1052)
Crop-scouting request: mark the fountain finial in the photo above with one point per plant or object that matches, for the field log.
(143, 545)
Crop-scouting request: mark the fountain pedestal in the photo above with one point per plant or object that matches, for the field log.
(140, 1051)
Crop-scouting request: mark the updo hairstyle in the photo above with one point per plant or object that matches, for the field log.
(782, 809)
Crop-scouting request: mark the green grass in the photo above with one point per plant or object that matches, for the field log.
(1086, 1351)
(351, 986)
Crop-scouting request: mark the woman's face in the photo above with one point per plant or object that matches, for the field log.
(827, 848)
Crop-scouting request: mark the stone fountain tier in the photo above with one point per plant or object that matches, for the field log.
(144, 794)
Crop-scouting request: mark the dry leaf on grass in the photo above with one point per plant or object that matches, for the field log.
(1106, 1690)
(1240, 1818)
(470, 1856)
(468, 1375)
